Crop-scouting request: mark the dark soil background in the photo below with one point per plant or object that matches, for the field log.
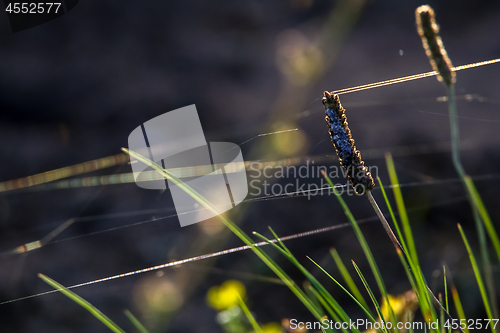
(72, 90)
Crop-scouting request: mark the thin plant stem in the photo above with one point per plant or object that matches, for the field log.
(249, 315)
(455, 149)
(385, 224)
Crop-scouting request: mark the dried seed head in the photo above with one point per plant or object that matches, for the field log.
(349, 156)
(433, 45)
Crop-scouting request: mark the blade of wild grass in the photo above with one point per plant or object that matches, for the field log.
(402, 257)
(249, 315)
(477, 274)
(329, 298)
(484, 215)
(446, 293)
(412, 250)
(441, 314)
(423, 291)
(236, 230)
(306, 285)
(410, 320)
(366, 249)
(364, 308)
(339, 313)
(405, 260)
(458, 306)
(374, 300)
(348, 279)
(83, 303)
(135, 322)
(324, 303)
(409, 273)
(400, 249)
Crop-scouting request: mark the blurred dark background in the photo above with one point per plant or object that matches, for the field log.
(72, 90)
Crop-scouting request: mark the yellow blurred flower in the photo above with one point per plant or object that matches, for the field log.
(226, 295)
(398, 304)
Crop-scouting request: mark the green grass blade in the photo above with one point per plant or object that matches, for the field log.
(441, 314)
(412, 250)
(135, 322)
(83, 303)
(423, 292)
(446, 293)
(351, 285)
(415, 279)
(306, 285)
(366, 249)
(325, 305)
(329, 298)
(249, 315)
(236, 230)
(409, 274)
(365, 309)
(477, 274)
(458, 306)
(372, 296)
(324, 293)
(410, 320)
(484, 215)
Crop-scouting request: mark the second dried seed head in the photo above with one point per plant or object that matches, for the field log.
(433, 45)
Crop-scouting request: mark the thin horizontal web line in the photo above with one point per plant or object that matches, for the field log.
(297, 194)
(220, 253)
(410, 78)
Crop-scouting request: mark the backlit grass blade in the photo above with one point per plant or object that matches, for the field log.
(413, 272)
(365, 247)
(83, 303)
(249, 315)
(412, 250)
(477, 274)
(135, 322)
(374, 300)
(351, 285)
(426, 297)
(458, 306)
(342, 316)
(365, 309)
(409, 273)
(441, 314)
(446, 293)
(306, 285)
(324, 293)
(325, 305)
(484, 215)
(236, 230)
